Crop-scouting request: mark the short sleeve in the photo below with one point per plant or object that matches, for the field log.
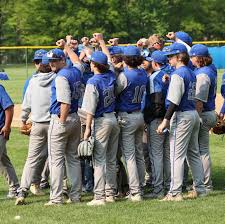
(5, 100)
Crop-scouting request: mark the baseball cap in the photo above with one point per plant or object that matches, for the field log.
(131, 51)
(199, 50)
(115, 50)
(148, 59)
(55, 54)
(184, 37)
(159, 57)
(44, 59)
(39, 54)
(175, 48)
(99, 57)
(3, 76)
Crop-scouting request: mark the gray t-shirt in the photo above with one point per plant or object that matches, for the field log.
(63, 92)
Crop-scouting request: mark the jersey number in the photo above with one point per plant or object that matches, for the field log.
(77, 93)
(192, 89)
(109, 97)
(138, 93)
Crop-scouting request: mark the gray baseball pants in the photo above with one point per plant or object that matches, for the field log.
(6, 167)
(131, 141)
(62, 147)
(37, 155)
(159, 153)
(184, 142)
(106, 133)
(208, 121)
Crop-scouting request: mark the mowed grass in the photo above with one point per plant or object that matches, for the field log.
(203, 210)
(18, 75)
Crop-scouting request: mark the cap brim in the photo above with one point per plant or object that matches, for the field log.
(171, 52)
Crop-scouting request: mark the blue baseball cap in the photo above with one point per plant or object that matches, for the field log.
(199, 50)
(175, 48)
(184, 37)
(55, 54)
(44, 59)
(3, 76)
(99, 57)
(131, 51)
(149, 59)
(39, 54)
(115, 50)
(159, 57)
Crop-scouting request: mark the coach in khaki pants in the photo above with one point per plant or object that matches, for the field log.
(64, 130)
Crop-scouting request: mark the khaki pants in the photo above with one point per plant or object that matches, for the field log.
(62, 146)
(6, 167)
(208, 121)
(184, 142)
(106, 132)
(131, 141)
(37, 155)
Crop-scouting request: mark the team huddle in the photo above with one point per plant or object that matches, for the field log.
(121, 122)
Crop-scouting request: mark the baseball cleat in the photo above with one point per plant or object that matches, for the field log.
(135, 198)
(20, 201)
(35, 190)
(96, 202)
(170, 197)
(194, 194)
(12, 195)
(110, 199)
(73, 201)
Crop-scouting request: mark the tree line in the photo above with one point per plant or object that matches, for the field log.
(39, 22)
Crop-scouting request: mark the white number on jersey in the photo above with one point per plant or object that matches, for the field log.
(77, 90)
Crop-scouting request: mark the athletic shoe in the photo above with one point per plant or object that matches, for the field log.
(96, 202)
(194, 194)
(110, 199)
(154, 195)
(73, 201)
(50, 203)
(12, 195)
(35, 190)
(170, 197)
(135, 198)
(20, 201)
(44, 185)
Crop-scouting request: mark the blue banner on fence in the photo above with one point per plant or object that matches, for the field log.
(218, 55)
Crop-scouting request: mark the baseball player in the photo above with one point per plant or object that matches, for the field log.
(222, 90)
(99, 104)
(184, 125)
(38, 54)
(6, 167)
(64, 129)
(206, 85)
(159, 151)
(131, 85)
(37, 103)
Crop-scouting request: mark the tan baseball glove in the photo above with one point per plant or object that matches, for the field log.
(26, 129)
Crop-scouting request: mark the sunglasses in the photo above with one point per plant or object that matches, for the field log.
(37, 61)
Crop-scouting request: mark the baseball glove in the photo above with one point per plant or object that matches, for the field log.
(219, 129)
(26, 129)
(85, 148)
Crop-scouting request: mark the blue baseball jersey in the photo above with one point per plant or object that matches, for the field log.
(105, 85)
(5, 102)
(73, 76)
(130, 98)
(182, 89)
(222, 90)
(210, 89)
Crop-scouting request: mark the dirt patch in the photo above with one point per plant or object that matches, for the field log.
(17, 110)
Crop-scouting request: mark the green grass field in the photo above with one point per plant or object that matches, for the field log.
(204, 210)
(18, 75)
